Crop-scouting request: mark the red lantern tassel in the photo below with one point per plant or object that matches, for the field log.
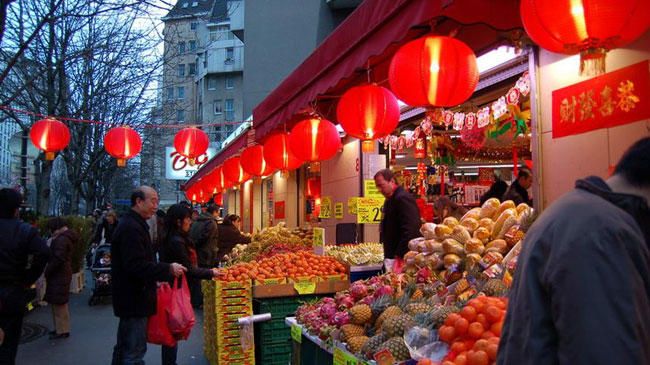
(592, 62)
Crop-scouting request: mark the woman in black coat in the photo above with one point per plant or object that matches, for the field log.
(178, 247)
(230, 236)
(58, 275)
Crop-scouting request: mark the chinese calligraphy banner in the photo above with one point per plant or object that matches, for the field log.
(613, 99)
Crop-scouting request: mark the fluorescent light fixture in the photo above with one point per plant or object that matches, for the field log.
(495, 58)
(470, 174)
(410, 168)
(484, 166)
(400, 156)
(407, 133)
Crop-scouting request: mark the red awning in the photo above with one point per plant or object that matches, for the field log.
(367, 39)
(232, 149)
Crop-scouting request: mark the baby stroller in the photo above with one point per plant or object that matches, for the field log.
(101, 272)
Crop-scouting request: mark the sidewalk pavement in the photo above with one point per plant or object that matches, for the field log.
(92, 336)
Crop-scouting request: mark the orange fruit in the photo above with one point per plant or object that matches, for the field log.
(458, 347)
(461, 359)
(461, 326)
(477, 358)
(469, 313)
(492, 351)
(475, 330)
(480, 345)
(451, 319)
(447, 333)
(492, 314)
(496, 328)
(482, 320)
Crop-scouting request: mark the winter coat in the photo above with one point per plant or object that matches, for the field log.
(58, 272)
(18, 242)
(177, 249)
(134, 270)
(517, 194)
(104, 230)
(229, 237)
(205, 234)
(581, 291)
(400, 224)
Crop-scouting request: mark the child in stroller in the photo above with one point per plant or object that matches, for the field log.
(101, 272)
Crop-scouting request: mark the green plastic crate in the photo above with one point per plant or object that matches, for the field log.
(280, 307)
(282, 359)
(272, 332)
(282, 348)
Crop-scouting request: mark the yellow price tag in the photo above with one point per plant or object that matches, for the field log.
(296, 333)
(338, 210)
(369, 210)
(325, 207)
(305, 287)
(352, 205)
(370, 189)
(343, 358)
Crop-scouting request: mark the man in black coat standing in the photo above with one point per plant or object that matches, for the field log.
(134, 274)
(401, 221)
(17, 241)
(518, 190)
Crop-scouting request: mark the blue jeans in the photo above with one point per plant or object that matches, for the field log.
(131, 341)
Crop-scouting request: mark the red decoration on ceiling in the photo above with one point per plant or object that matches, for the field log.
(590, 28)
(122, 143)
(313, 187)
(278, 155)
(253, 163)
(191, 143)
(233, 171)
(218, 199)
(214, 180)
(50, 136)
(368, 112)
(433, 70)
(314, 140)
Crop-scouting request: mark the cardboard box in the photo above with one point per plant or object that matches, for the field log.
(288, 290)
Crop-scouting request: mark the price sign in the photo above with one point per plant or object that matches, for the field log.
(338, 210)
(352, 205)
(344, 358)
(369, 210)
(296, 333)
(384, 357)
(325, 207)
(305, 287)
(318, 242)
(370, 189)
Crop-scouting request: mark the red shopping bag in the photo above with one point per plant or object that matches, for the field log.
(180, 311)
(158, 331)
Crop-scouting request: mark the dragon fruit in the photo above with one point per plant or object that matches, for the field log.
(341, 318)
(327, 311)
(346, 302)
(328, 300)
(359, 290)
(367, 300)
(384, 290)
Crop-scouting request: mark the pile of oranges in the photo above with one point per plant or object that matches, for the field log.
(288, 265)
(474, 333)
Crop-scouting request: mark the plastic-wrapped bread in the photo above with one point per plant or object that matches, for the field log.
(509, 222)
(442, 231)
(474, 213)
(433, 246)
(472, 259)
(450, 245)
(428, 231)
(500, 246)
(489, 208)
(487, 223)
(413, 244)
(450, 222)
(460, 234)
(451, 259)
(508, 204)
(498, 224)
(483, 234)
(474, 245)
(521, 208)
(470, 223)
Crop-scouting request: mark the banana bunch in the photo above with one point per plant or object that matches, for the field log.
(368, 253)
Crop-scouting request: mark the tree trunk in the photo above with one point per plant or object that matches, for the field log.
(43, 186)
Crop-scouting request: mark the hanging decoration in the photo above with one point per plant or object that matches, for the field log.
(253, 163)
(278, 155)
(218, 199)
(215, 180)
(233, 171)
(314, 139)
(50, 136)
(590, 28)
(122, 143)
(420, 147)
(368, 112)
(191, 142)
(433, 70)
(313, 187)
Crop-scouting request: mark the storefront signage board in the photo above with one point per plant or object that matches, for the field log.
(178, 167)
(369, 210)
(338, 210)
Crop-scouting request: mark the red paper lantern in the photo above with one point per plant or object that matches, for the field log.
(590, 28)
(313, 187)
(122, 143)
(278, 155)
(433, 70)
(50, 136)
(368, 112)
(215, 180)
(253, 163)
(191, 143)
(314, 140)
(233, 171)
(218, 199)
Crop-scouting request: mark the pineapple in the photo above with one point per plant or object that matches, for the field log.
(418, 294)
(356, 343)
(396, 326)
(494, 288)
(360, 314)
(390, 312)
(440, 314)
(397, 348)
(417, 308)
(349, 331)
(371, 346)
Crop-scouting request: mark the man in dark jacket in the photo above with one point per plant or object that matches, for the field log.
(134, 275)
(517, 192)
(17, 241)
(581, 293)
(401, 221)
(205, 234)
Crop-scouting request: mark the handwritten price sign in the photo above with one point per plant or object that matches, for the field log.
(325, 207)
(369, 210)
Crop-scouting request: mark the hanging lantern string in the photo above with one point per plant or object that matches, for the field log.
(98, 122)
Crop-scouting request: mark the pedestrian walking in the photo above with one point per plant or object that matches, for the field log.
(18, 242)
(58, 274)
(134, 275)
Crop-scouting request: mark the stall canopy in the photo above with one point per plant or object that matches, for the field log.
(359, 50)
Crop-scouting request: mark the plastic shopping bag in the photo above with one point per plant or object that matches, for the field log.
(181, 314)
(158, 331)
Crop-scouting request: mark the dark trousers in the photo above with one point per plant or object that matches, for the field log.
(131, 341)
(11, 325)
(196, 297)
(169, 355)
